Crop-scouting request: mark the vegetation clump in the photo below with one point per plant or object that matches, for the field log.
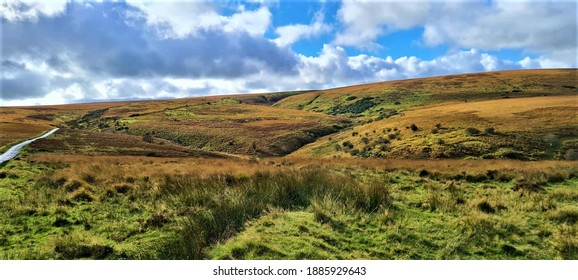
(472, 131)
(357, 107)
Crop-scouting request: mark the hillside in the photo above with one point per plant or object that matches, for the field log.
(239, 124)
(523, 128)
(527, 114)
(384, 99)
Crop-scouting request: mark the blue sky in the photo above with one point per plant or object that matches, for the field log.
(57, 52)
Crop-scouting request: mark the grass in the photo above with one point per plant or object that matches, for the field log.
(59, 207)
(405, 94)
(523, 128)
(436, 219)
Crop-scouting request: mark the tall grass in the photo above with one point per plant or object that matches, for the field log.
(219, 205)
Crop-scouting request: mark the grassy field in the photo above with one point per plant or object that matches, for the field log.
(106, 207)
(477, 166)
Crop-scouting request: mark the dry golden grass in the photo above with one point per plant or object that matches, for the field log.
(85, 142)
(140, 166)
(145, 166)
(435, 90)
(522, 123)
(520, 114)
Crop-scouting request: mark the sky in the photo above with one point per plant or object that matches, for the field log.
(58, 51)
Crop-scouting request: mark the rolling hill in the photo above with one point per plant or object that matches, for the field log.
(474, 166)
(384, 99)
(526, 114)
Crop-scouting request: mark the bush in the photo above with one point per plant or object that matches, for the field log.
(571, 154)
(82, 195)
(148, 138)
(472, 131)
(486, 207)
(413, 127)
(347, 144)
(490, 130)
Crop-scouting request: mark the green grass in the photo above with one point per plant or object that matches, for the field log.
(44, 217)
(315, 212)
(429, 219)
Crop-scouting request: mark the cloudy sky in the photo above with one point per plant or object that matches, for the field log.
(57, 52)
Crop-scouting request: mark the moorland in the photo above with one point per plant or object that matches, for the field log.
(471, 166)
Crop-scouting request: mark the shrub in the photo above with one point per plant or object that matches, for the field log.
(347, 144)
(486, 207)
(423, 173)
(147, 138)
(365, 140)
(571, 154)
(381, 140)
(438, 125)
(413, 127)
(82, 196)
(434, 131)
(73, 186)
(490, 130)
(529, 185)
(472, 131)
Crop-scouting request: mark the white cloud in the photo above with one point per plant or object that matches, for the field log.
(536, 27)
(290, 34)
(365, 21)
(181, 19)
(19, 10)
(254, 22)
(333, 67)
(209, 53)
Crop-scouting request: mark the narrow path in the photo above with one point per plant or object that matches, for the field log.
(14, 150)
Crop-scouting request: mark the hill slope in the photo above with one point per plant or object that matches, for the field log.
(521, 128)
(239, 124)
(381, 100)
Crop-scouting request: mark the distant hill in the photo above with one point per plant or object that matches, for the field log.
(384, 99)
(526, 114)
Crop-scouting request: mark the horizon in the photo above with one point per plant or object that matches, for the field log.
(151, 50)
